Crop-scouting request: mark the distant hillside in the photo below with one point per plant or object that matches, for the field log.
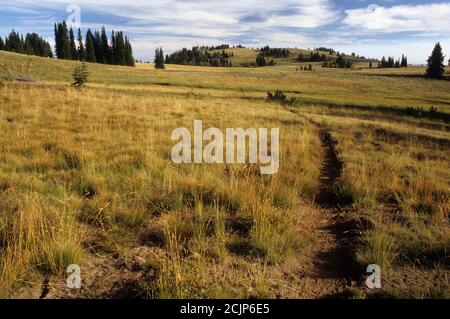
(227, 56)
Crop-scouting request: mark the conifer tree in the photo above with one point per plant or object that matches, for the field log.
(113, 47)
(2, 44)
(81, 48)
(65, 49)
(435, 68)
(159, 59)
(90, 49)
(14, 42)
(58, 48)
(73, 46)
(129, 58)
(80, 75)
(99, 55)
(105, 47)
(404, 62)
(261, 60)
(119, 51)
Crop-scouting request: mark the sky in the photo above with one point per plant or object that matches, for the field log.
(372, 28)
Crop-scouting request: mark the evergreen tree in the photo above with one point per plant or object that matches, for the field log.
(58, 49)
(105, 47)
(80, 75)
(73, 46)
(404, 63)
(99, 55)
(14, 43)
(90, 49)
(62, 41)
(159, 58)
(81, 48)
(36, 45)
(435, 68)
(129, 58)
(64, 38)
(261, 60)
(32, 44)
(119, 50)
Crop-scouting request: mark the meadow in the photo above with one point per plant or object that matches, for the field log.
(86, 178)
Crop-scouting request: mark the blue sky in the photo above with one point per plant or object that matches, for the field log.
(372, 28)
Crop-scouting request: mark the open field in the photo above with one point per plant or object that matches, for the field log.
(86, 178)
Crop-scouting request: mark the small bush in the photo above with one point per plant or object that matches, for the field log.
(293, 101)
(80, 76)
(433, 110)
(277, 96)
(414, 111)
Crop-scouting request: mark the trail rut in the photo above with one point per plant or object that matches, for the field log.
(331, 271)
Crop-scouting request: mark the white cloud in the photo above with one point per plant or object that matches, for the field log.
(174, 24)
(422, 18)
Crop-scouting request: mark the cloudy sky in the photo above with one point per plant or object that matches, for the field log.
(372, 28)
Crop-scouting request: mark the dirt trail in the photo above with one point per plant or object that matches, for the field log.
(330, 271)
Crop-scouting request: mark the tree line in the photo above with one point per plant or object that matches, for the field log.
(324, 49)
(95, 48)
(199, 57)
(275, 52)
(261, 61)
(312, 57)
(31, 44)
(390, 62)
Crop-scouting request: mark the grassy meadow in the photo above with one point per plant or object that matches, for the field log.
(86, 178)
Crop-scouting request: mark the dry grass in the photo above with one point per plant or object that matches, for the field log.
(78, 163)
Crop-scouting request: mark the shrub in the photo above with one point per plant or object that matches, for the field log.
(277, 96)
(433, 110)
(293, 101)
(415, 112)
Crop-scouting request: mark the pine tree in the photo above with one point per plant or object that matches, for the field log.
(73, 46)
(14, 42)
(99, 55)
(119, 51)
(62, 42)
(90, 49)
(435, 68)
(58, 49)
(129, 58)
(80, 75)
(261, 60)
(159, 59)
(404, 62)
(105, 47)
(36, 45)
(63, 32)
(113, 47)
(81, 48)
(2, 44)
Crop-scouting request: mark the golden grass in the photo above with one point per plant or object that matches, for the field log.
(76, 162)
